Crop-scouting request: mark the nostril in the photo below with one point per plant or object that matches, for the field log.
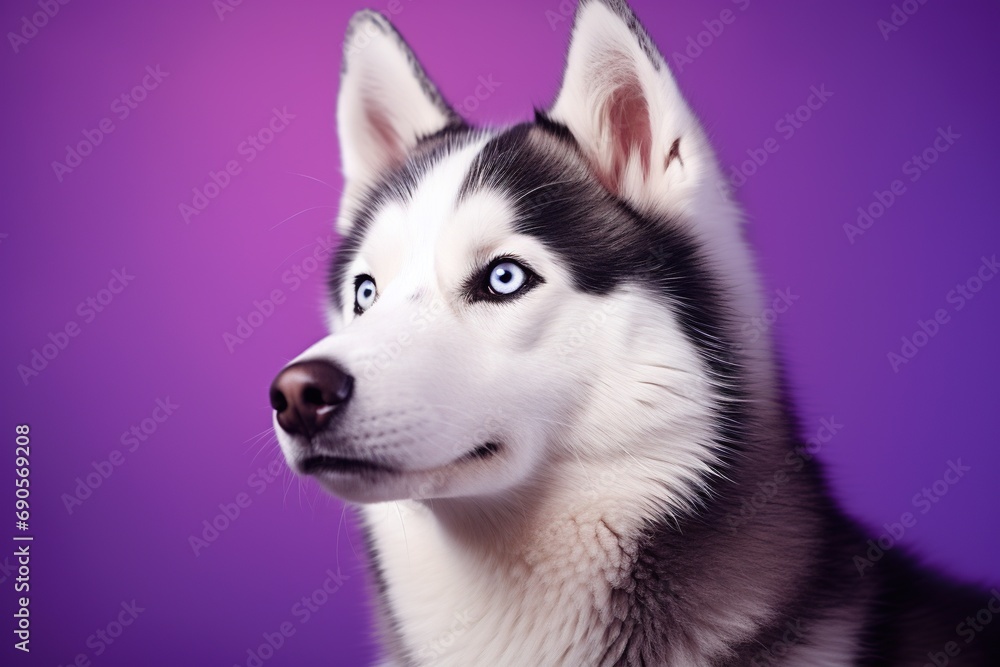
(313, 396)
(278, 400)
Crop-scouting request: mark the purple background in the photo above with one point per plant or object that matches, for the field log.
(163, 335)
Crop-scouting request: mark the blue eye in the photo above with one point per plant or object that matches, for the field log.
(506, 278)
(364, 293)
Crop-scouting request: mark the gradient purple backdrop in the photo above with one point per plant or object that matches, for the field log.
(162, 337)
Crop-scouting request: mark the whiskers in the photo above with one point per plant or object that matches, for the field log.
(266, 440)
(311, 208)
(305, 210)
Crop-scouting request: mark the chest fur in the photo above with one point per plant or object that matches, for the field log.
(549, 597)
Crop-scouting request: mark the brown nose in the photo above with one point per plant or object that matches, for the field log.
(306, 394)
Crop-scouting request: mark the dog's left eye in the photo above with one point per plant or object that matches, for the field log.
(364, 293)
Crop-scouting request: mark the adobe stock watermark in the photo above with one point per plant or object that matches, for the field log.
(786, 126)
(224, 7)
(121, 108)
(362, 36)
(230, 511)
(714, 27)
(131, 440)
(611, 476)
(87, 311)
(969, 629)
(923, 501)
(483, 91)
(292, 279)
(794, 462)
(247, 151)
(104, 637)
(696, 44)
(438, 646)
(301, 612)
(578, 336)
(562, 14)
(7, 570)
(32, 23)
(898, 17)
(957, 298)
(756, 327)
(778, 651)
(913, 169)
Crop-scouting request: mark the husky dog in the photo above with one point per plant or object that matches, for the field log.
(537, 387)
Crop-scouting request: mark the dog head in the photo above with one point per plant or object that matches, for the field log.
(509, 303)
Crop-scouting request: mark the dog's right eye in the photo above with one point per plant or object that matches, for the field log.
(507, 278)
(503, 279)
(364, 293)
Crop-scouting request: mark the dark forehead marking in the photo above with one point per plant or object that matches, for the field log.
(606, 244)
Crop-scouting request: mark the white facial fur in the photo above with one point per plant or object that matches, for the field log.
(541, 375)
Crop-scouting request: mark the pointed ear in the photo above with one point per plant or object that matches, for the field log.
(622, 105)
(386, 102)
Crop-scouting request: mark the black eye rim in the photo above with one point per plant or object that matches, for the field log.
(477, 287)
(358, 281)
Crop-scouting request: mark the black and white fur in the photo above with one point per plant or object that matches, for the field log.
(556, 475)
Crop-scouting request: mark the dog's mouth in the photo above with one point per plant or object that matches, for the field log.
(482, 452)
(323, 463)
(337, 464)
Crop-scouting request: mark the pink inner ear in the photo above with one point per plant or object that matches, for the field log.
(385, 137)
(627, 118)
